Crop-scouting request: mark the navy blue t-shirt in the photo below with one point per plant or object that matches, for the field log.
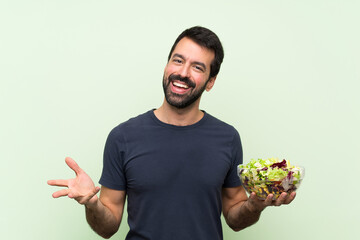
(172, 175)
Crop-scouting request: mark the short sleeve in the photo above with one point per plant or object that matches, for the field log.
(232, 178)
(113, 174)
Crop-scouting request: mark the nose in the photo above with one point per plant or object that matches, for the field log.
(184, 71)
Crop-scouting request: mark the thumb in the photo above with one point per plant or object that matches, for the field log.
(97, 189)
(73, 165)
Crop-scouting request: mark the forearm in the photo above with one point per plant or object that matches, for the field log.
(241, 216)
(101, 219)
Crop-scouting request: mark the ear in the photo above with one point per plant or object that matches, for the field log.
(210, 84)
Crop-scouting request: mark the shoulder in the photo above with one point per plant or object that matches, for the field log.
(221, 125)
(131, 125)
(134, 122)
(223, 130)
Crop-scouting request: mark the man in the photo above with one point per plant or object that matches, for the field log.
(176, 164)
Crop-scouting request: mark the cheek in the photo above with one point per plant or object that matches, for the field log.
(169, 70)
(199, 79)
(166, 73)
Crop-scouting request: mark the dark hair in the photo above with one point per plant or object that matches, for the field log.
(205, 38)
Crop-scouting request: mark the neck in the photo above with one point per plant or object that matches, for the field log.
(179, 117)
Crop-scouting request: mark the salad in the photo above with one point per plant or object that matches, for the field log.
(265, 176)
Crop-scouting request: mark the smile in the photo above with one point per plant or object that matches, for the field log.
(180, 85)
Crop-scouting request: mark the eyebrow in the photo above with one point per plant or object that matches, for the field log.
(195, 62)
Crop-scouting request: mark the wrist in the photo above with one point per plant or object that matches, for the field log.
(92, 203)
(252, 207)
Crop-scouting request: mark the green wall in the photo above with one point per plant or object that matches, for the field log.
(72, 70)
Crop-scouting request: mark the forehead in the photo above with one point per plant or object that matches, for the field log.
(193, 51)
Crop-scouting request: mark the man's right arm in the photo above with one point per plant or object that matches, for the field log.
(104, 214)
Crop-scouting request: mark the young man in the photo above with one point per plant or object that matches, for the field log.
(176, 164)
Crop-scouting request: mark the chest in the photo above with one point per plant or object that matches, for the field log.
(177, 162)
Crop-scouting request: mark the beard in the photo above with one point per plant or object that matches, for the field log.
(181, 100)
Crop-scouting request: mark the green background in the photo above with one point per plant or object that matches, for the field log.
(72, 70)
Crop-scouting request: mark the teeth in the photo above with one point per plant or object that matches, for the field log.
(180, 85)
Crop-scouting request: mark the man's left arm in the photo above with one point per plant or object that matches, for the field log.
(241, 211)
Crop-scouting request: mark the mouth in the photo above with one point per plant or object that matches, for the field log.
(179, 87)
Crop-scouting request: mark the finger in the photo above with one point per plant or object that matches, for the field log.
(253, 198)
(83, 199)
(73, 165)
(290, 198)
(252, 195)
(61, 193)
(269, 199)
(281, 199)
(72, 195)
(94, 192)
(58, 183)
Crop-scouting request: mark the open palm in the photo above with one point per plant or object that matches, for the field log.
(81, 188)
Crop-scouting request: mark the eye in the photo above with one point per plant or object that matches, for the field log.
(177, 60)
(199, 68)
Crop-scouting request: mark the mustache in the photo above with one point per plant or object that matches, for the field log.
(185, 80)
